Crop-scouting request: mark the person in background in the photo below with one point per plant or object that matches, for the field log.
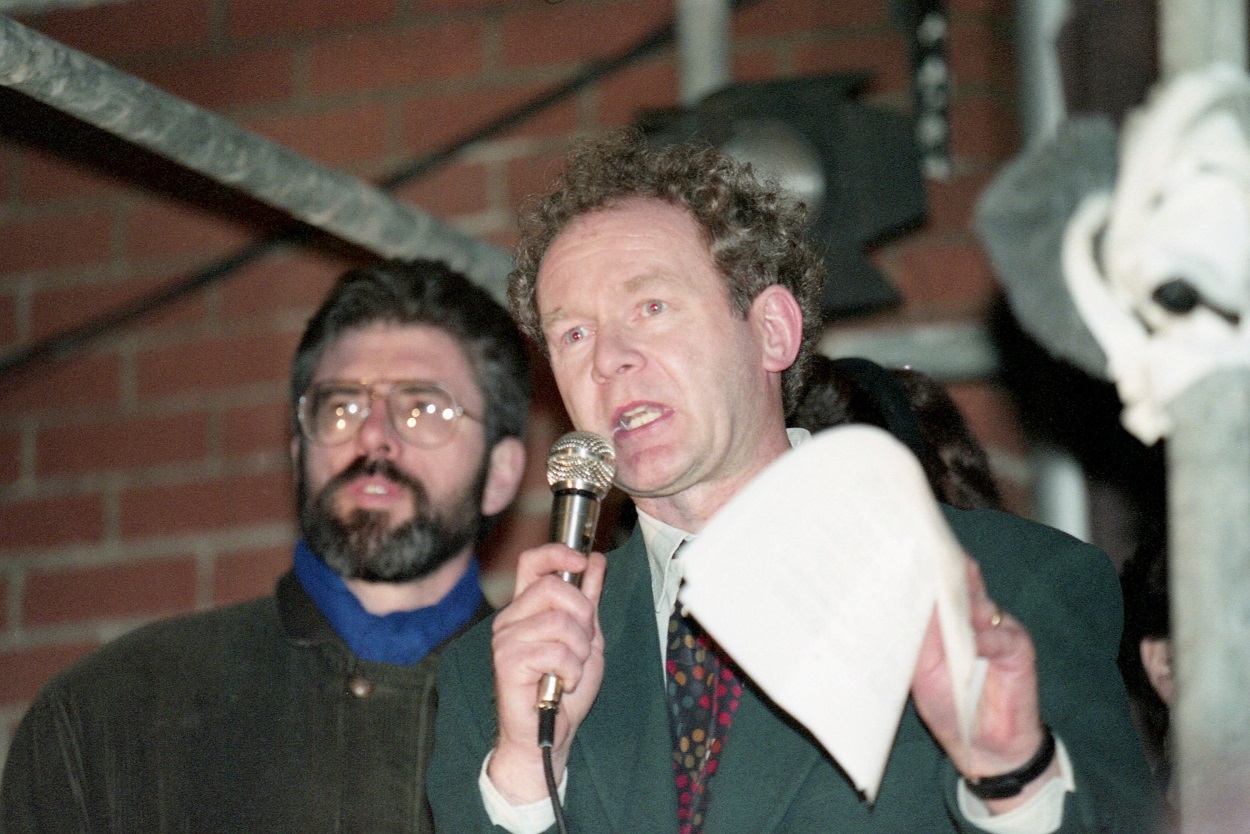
(914, 408)
(311, 710)
(1146, 654)
(677, 301)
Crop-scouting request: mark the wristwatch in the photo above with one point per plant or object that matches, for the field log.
(1007, 785)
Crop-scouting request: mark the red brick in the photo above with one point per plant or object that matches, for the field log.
(883, 57)
(288, 282)
(8, 172)
(780, 17)
(432, 121)
(47, 177)
(265, 17)
(755, 64)
(982, 127)
(121, 444)
(943, 273)
(8, 320)
(55, 311)
(424, 6)
(979, 55)
(505, 237)
(258, 428)
(23, 672)
(169, 227)
(557, 33)
(332, 137)
(109, 591)
(206, 505)
(391, 59)
(10, 458)
(1001, 8)
(219, 81)
(82, 380)
(115, 29)
(450, 191)
(51, 522)
(249, 574)
(951, 202)
(41, 244)
(514, 534)
(642, 87)
(991, 415)
(532, 175)
(214, 363)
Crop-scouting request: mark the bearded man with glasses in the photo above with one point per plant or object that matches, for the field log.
(312, 710)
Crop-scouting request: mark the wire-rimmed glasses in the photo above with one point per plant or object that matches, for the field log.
(422, 413)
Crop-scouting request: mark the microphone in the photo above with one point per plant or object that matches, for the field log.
(580, 469)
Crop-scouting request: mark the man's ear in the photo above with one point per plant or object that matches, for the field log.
(1156, 658)
(779, 322)
(503, 475)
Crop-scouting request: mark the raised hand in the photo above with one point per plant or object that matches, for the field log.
(550, 626)
(1008, 727)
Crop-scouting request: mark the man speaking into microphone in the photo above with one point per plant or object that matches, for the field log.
(678, 305)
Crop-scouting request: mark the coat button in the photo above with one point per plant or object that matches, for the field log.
(360, 686)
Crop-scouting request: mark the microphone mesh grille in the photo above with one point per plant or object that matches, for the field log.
(582, 460)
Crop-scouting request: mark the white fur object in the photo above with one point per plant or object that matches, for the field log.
(1180, 210)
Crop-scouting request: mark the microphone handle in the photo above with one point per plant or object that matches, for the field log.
(574, 516)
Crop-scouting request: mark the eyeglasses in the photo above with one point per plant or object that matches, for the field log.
(422, 413)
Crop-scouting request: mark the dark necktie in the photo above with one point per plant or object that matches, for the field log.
(703, 695)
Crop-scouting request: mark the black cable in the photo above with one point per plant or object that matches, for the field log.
(546, 738)
(69, 341)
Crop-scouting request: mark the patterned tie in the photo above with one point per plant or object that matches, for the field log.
(703, 695)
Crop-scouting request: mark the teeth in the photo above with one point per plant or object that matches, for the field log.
(375, 489)
(641, 416)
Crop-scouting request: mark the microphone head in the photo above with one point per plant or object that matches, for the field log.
(581, 460)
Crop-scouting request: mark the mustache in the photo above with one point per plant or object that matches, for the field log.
(364, 467)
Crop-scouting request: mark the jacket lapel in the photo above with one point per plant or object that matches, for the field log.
(765, 761)
(623, 744)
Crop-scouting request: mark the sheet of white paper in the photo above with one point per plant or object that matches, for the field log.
(819, 579)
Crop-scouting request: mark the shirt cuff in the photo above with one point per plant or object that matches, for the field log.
(1042, 814)
(534, 818)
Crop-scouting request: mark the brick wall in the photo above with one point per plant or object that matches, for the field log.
(147, 474)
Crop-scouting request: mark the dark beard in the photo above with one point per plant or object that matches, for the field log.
(364, 546)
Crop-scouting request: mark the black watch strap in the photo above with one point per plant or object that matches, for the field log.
(1007, 785)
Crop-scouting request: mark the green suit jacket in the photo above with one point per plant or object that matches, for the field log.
(773, 777)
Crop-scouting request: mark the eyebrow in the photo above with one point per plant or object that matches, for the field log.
(631, 286)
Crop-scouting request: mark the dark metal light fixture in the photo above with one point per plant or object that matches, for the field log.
(855, 166)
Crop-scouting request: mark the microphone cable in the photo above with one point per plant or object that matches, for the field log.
(546, 734)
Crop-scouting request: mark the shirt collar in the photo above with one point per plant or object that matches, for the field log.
(663, 541)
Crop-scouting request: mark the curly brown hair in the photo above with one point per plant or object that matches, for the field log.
(755, 233)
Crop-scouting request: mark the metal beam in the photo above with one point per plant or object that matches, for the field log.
(34, 7)
(1193, 33)
(1208, 507)
(146, 116)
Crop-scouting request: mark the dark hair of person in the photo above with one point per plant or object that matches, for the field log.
(915, 409)
(1144, 582)
(427, 293)
(961, 471)
(754, 232)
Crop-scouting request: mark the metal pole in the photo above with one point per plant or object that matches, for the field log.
(1194, 33)
(1209, 520)
(703, 42)
(147, 116)
(1209, 572)
(1041, 105)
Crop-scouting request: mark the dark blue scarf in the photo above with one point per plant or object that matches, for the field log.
(403, 637)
